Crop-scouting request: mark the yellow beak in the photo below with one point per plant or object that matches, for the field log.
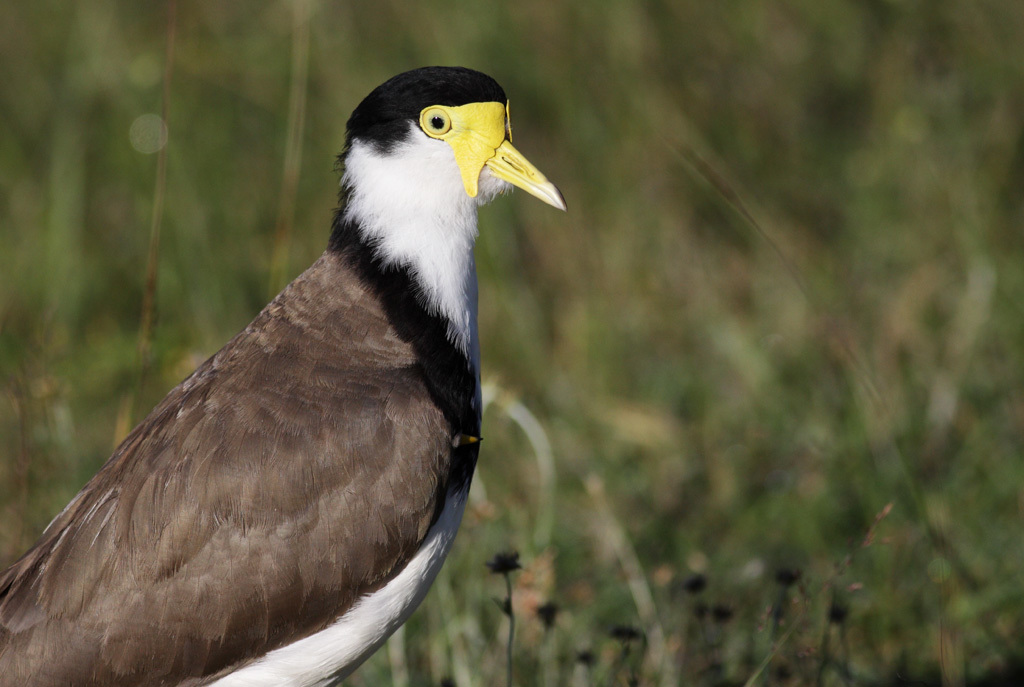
(477, 134)
(509, 164)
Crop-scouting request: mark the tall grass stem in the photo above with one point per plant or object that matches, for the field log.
(160, 186)
(299, 87)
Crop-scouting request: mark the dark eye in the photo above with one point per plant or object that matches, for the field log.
(435, 121)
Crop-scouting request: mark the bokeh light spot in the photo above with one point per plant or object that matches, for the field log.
(148, 133)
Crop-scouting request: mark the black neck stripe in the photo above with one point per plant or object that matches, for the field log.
(448, 373)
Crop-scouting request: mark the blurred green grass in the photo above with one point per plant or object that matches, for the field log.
(744, 399)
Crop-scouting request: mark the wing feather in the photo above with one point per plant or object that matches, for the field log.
(294, 471)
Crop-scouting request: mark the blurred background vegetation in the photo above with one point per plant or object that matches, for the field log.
(789, 292)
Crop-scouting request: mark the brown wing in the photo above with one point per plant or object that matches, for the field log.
(294, 471)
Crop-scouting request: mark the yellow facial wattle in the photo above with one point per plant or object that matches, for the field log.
(479, 135)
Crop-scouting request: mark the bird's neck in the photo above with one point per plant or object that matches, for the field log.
(424, 224)
(425, 304)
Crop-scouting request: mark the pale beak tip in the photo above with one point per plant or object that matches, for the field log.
(561, 201)
(550, 194)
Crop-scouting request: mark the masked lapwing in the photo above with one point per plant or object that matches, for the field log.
(286, 507)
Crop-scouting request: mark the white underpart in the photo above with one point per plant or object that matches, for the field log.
(332, 654)
(410, 203)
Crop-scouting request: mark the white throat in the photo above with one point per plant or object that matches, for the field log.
(411, 206)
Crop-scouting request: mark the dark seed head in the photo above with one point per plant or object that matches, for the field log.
(586, 657)
(787, 577)
(837, 613)
(447, 682)
(547, 614)
(721, 613)
(624, 633)
(695, 584)
(504, 563)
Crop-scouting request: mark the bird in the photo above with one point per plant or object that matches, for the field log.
(287, 506)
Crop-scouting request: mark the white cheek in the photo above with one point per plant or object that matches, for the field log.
(490, 187)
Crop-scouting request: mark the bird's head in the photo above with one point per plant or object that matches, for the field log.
(438, 135)
(423, 151)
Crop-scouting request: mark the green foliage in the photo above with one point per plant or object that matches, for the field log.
(721, 395)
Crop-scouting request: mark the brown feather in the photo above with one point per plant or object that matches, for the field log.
(297, 469)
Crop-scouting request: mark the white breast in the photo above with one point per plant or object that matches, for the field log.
(332, 654)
